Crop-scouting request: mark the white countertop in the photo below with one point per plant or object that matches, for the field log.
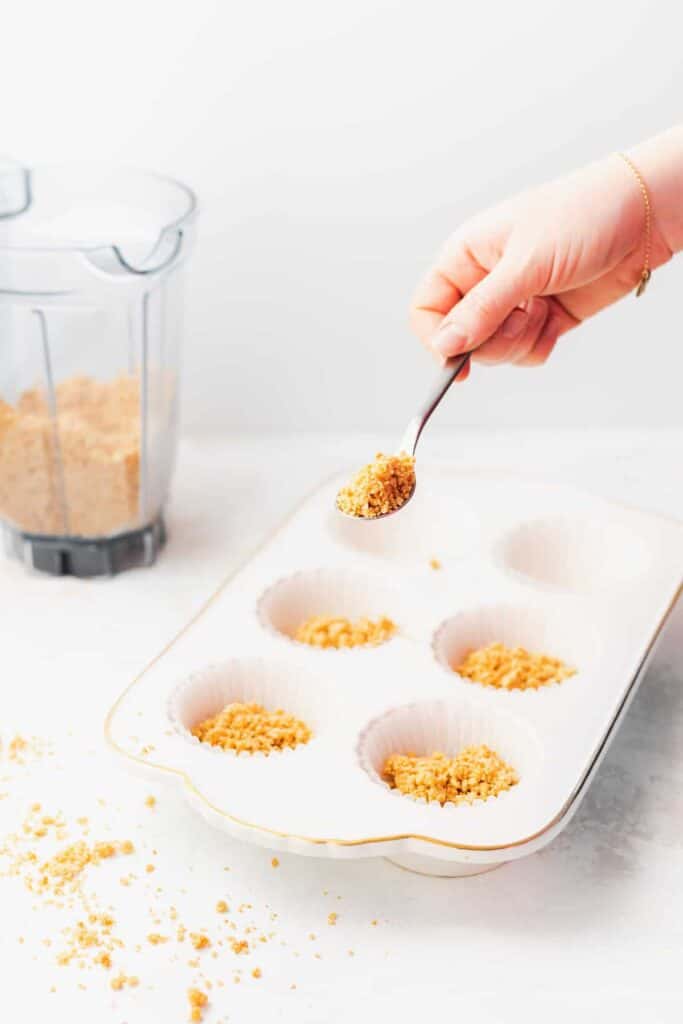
(592, 924)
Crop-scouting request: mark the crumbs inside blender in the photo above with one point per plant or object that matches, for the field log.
(91, 269)
(73, 469)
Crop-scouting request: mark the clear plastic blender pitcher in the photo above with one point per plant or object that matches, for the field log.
(91, 267)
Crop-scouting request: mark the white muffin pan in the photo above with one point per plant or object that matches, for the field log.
(523, 562)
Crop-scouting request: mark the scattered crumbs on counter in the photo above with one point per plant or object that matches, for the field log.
(198, 1001)
(63, 871)
(121, 980)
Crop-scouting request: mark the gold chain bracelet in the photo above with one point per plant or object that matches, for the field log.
(646, 272)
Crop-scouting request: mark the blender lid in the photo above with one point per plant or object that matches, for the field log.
(90, 206)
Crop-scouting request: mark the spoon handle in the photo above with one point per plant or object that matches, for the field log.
(446, 376)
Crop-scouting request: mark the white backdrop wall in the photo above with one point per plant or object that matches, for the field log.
(333, 146)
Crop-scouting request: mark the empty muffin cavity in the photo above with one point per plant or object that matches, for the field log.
(429, 527)
(579, 555)
(331, 609)
(270, 708)
(450, 728)
(561, 646)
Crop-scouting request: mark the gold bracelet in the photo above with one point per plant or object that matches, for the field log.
(646, 273)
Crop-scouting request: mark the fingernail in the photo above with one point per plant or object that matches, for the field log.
(450, 340)
(514, 324)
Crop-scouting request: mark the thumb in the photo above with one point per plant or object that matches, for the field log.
(481, 311)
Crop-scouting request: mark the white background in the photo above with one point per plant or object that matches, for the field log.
(333, 146)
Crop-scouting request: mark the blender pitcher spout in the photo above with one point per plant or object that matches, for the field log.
(166, 251)
(15, 188)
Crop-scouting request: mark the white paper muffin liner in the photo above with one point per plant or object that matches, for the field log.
(564, 634)
(428, 527)
(284, 606)
(578, 555)
(448, 726)
(246, 680)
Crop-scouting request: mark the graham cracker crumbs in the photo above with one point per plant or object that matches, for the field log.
(198, 1001)
(512, 668)
(63, 869)
(23, 749)
(337, 631)
(275, 863)
(380, 487)
(248, 728)
(434, 563)
(85, 937)
(476, 773)
(332, 918)
(60, 873)
(121, 980)
(72, 467)
(151, 801)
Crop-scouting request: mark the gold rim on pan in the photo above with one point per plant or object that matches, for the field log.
(400, 836)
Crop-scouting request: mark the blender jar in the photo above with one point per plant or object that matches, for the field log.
(91, 268)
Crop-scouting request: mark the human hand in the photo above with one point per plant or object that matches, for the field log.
(510, 282)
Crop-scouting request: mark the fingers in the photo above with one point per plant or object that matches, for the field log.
(528, 335)
(481, 311)
(455, 272)
(460, 307)
(545, 343)
(464, 373)
(517, 335)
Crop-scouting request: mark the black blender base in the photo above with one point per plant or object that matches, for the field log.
(72, 556)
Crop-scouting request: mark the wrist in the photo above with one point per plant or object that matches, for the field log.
(660, 162)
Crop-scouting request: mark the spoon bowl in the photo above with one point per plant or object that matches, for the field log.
(447, 375)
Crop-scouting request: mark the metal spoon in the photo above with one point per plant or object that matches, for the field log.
(408, 445)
